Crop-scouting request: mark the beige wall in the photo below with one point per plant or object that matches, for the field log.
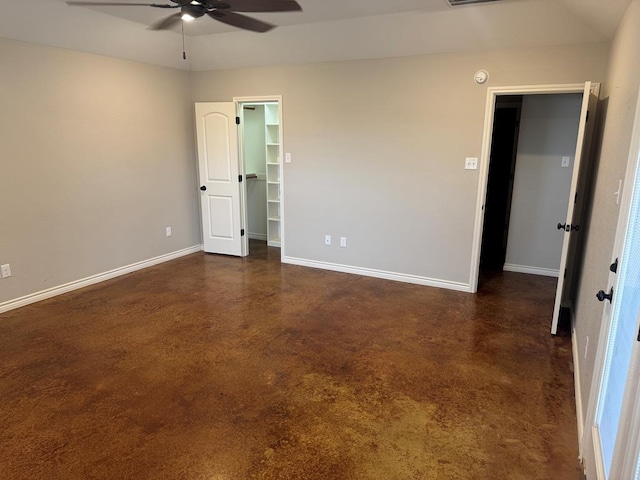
(379, 145)
(97, 158)
(620, 93)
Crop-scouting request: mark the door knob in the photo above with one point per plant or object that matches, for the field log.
(601, 296)
(203, 188)
(561, 226)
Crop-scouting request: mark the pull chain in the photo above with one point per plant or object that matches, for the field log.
(184, 53)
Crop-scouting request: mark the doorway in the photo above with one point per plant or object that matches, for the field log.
(502, 164)
(223, 179)
(261, 163)
(530, 170)
(531, 184)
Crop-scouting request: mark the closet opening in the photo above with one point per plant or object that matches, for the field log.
(260, 152)
(502, 164)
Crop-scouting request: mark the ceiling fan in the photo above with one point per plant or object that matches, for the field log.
(224, 11)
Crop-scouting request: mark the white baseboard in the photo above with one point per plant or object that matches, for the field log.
(576, 383)
(258, 236)
(598, 460)
(547, 272)
(370, 272)
(100, 277)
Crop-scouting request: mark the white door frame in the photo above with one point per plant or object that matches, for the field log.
(630, 417)
(492, 94)
(239, 101)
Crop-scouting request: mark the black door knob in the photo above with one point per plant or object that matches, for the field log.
(203, 188)
(561, 226)
(601, 296)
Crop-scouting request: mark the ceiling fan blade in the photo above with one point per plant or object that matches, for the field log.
(167, 22)
(158, 5)
(256, 5)
(241, 21)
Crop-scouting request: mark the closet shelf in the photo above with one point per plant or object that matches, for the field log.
(274, 219)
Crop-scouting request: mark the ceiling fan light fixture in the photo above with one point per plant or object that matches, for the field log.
(190, 12)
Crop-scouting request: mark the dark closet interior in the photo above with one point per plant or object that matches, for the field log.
(502, 164)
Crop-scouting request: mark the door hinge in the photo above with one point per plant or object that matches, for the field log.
(242, 232)
(588, 112)
(237, 120)
(639, 335)
(614, 266)
(240, 178)
(565, 273)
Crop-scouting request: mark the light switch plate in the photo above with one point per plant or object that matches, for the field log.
(287, 157)
(565, 161)
(471, 163)
(6, 270)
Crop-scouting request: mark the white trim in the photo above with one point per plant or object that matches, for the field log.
(371, 272)
(576, 382)
(492, 93)
(547, 272)
(258, 236)
(93, 279)
(597, 448)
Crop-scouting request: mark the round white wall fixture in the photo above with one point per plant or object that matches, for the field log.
(481, 77)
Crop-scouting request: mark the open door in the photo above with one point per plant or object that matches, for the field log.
(571, 224)
(220, 178)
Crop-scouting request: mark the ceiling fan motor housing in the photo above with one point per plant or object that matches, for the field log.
(196, 11)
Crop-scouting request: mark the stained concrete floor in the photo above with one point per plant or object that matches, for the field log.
(218, 368)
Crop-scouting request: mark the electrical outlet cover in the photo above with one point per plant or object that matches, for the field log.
(6, 270)
(471, 163)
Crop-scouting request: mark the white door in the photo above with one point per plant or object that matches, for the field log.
(220, 181)
(571, 223)
(614, 441)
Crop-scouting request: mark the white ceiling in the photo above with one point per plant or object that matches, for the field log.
(326, 30)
